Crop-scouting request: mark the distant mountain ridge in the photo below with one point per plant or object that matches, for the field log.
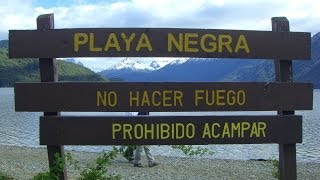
(4, 44)
(210, 69)
(71, 60)
(309, 71)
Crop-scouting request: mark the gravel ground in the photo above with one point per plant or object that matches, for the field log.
(24, 163)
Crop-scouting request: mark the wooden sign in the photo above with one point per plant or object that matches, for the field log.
(161, 97)
(159, 42)
(51, 97)
(165, 130)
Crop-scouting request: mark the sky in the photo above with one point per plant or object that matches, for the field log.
(304, 16)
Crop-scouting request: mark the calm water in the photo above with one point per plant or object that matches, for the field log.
(22, 129)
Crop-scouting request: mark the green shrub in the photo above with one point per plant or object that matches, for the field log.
(98, 170)
(42, 176)
(4, 176)
(275, 168)
(54, 171)
(192, 150)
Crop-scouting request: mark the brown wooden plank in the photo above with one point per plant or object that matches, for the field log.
(48, 73)
(156, 42)
(72, 130)
(162, 96)
(283, 69)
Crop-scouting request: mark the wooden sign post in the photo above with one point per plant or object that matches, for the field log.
(283, 70)
(48, 73)
(51, 97)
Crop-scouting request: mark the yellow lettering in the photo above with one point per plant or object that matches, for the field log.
(154, 93)
(172, 131)
(226, 130)
(244, 127)
(242, 44)
(108, 99)
(208, 98)
(235, 127)
(198, 97)
(128, 41)
(262, 128)
(181, 135)
(127, 128)
(241, 97)
(231, 96)
(91, 43)
(112, 42)
(254, 130)
(220, 98)
(192, 127)
(172, 40)
(188, 41)
(115, 128)
(212, 130)
(79, 39)
(148, 131)
(164, 131)
(225, 40)
(132, 98)
(145, 99)
(112, 96)
(211, 44)
(101, 99)
(144, 43)
(166, 98)
(158, 131)
(206, 131)
(177, 98)
(136, 131)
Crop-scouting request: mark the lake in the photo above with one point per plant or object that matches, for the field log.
(22, 129)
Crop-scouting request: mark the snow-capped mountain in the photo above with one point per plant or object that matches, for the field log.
(154, 65)
(138, 64)
(129, 63)
(178, 61)
(162, 62)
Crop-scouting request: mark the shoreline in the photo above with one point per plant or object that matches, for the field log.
(25, 162)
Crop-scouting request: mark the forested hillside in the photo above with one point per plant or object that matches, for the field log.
(27, 70)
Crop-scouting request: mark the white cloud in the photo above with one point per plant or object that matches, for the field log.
(220, 14)
(217, 14)
(99, 64)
